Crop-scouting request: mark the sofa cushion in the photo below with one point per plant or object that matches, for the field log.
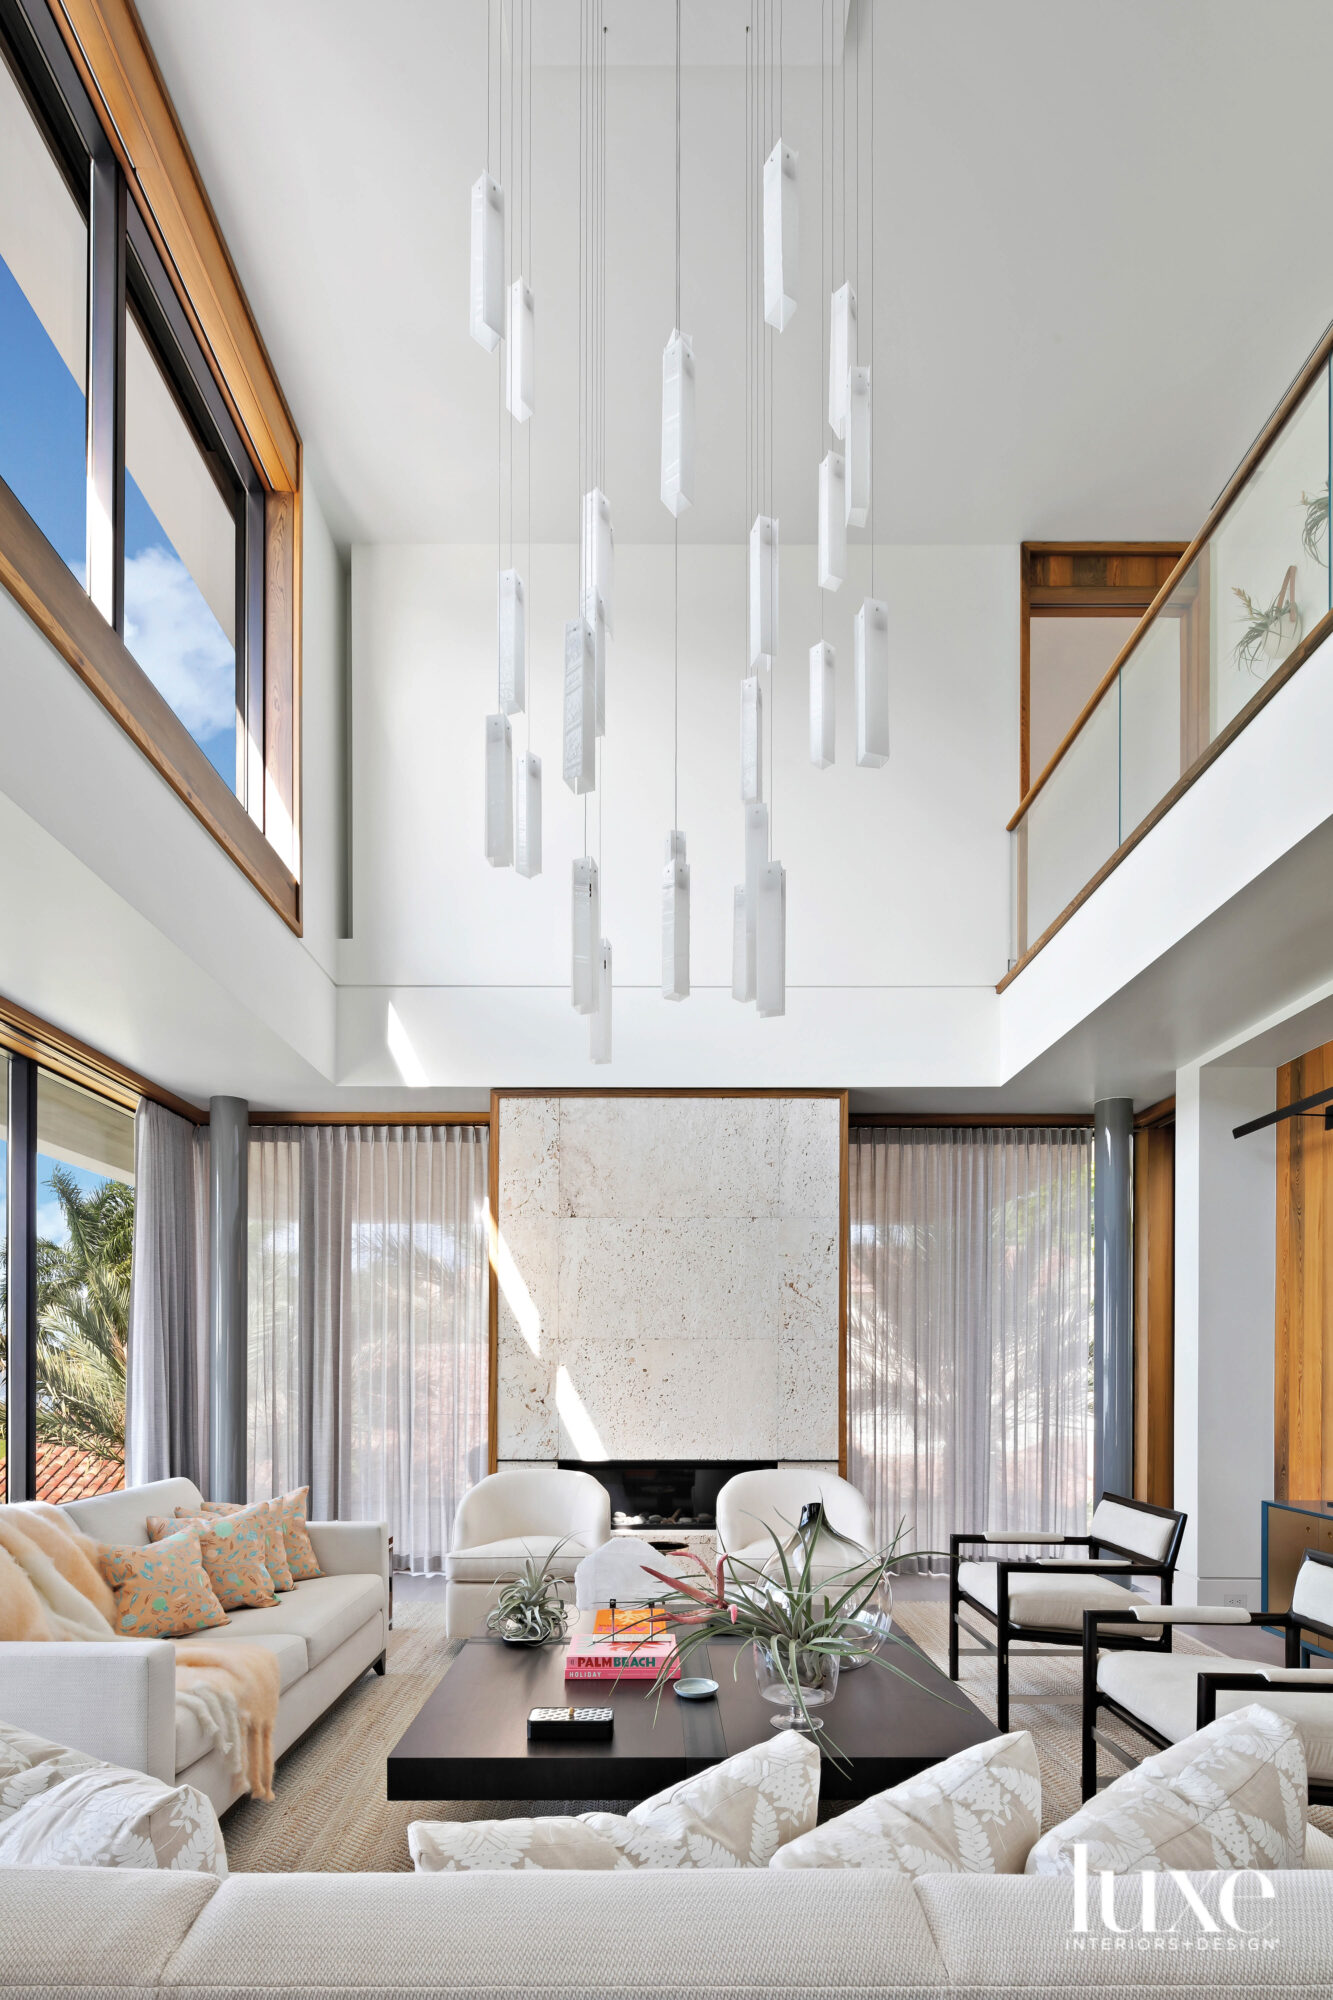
(122, 1518)
(735, 1814)
(1055, 1600)
(1230, 1796)
(109, 1818)
(233, 1548)
(500, 1562)
(977, 1813)
(323, 1612)
(1318, 1847)
(162, 1590)
(115, 1933)
(1162, 1689)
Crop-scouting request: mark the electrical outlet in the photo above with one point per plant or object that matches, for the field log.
(1240, 1599)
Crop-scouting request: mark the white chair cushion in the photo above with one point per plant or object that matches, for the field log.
(500, 1562)
(323, 1612)
(1230, 1796)
(1149, 1535)
(735, 1814)
(1057, 1601)
(762, 1556)
(1162, 1690)
(977, 1813)
(1313, 1594)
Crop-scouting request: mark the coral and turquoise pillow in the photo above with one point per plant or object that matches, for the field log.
(289, 1511)
(275, 1548)
(162, 1591)
(232, 1547)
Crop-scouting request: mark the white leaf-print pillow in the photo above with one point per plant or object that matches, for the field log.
(975, 1814)
(109, 1818)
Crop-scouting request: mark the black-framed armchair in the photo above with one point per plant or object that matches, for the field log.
(1165, 1700)
(1041, 1601)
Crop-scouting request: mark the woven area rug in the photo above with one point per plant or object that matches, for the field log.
(331, 1814)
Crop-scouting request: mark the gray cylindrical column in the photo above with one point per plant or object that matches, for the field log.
(229, 1154)
(1113, 1298)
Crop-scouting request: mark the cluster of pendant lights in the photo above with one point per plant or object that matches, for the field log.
(504, 312)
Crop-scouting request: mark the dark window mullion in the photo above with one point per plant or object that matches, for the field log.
(106, 388)
(21, 1442)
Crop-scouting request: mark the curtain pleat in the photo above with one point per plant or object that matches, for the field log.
(970, 1329)
(166, 1363)
(369, 1323)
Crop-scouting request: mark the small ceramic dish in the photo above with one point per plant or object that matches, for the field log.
(694, 1687)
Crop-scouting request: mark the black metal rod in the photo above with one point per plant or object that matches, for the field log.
(1284, 1111)
(21, 1416)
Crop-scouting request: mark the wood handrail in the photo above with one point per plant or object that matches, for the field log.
(1220, 508)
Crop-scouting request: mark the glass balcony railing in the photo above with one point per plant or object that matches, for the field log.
(1248, 601)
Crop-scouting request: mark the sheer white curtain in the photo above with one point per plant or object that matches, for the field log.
(166, 1385)
(970, 1328)
(369, 1332)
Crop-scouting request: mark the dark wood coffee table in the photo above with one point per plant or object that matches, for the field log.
(470, 1739)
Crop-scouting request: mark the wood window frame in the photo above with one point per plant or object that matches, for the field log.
(1081, 580)
(96, 51)
(1154, 1303)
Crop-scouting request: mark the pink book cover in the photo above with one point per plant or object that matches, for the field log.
(620, 1659)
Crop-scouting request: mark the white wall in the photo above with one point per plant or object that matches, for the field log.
(1226, 1201)
(897, 878)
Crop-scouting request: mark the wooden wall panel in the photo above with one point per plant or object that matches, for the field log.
(1303, 1413)
(1154, 1310)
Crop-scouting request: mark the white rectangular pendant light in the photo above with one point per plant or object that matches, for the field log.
(752, 740)
(597, 555)
(519, 353)
(585, 934)
(870, 633)
(858, 447)
(781, 239)
(756, 860)
(742, 949)
(823, 703)
(598, 625)
(832, 521)
(488, 262)
(499, 792)
(763, 587)
(513, 644)
(841, 356)
(528, 815)
(599, 1024)
(770, 957)
(678, 423)
(580, 707)
(676, 920)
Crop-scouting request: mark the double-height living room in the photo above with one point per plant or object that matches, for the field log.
(666, 998)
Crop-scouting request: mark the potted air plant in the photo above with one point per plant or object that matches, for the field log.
(802, 1630)
(530, 1611)
(1272, 629)
(1314, 528)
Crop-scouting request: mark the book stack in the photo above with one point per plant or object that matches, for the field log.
(627, 1659)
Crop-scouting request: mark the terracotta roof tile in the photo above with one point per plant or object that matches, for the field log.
(66, 1473)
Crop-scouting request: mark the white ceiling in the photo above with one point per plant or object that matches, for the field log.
(1100, 231)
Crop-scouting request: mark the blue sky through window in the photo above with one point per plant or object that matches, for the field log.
(50, 1218)
(42, 425)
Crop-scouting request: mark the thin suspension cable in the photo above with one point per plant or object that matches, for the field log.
(824, 287)
(872, 298)
(527, 220)
(675, 524)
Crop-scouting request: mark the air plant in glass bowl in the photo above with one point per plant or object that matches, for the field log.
(802, 1626)
(1271, 630)
(530, 1610)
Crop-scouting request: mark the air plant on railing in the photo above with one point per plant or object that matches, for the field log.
(1314, 529)
(1273, 629)
(779, 1606)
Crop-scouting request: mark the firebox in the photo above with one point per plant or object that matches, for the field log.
(665, 1492)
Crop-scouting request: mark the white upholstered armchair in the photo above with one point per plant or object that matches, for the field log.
(752, 1503)
(509, 1516)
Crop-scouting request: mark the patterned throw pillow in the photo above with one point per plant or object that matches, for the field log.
(108, 1818)
(977, 1813)
(275, 1549)
(736, 1814)
(232, 1547)
(162, 1591)
(1230, 1796)
(289, 1511)
(29, 1765)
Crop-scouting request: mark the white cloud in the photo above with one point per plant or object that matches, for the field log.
(178, 642)
(51, 1224)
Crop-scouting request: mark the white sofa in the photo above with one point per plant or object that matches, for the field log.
(509, 1516)
(715, 1934)
(117, 1700)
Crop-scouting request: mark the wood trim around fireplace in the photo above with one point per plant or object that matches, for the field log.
(844, 1230)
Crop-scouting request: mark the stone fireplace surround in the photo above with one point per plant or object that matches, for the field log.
(669, 1278)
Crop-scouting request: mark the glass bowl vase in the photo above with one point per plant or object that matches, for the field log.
(780, 1672)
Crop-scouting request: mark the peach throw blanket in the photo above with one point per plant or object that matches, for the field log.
(52, 1587)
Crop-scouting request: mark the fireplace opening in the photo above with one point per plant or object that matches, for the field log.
(665, 1492)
